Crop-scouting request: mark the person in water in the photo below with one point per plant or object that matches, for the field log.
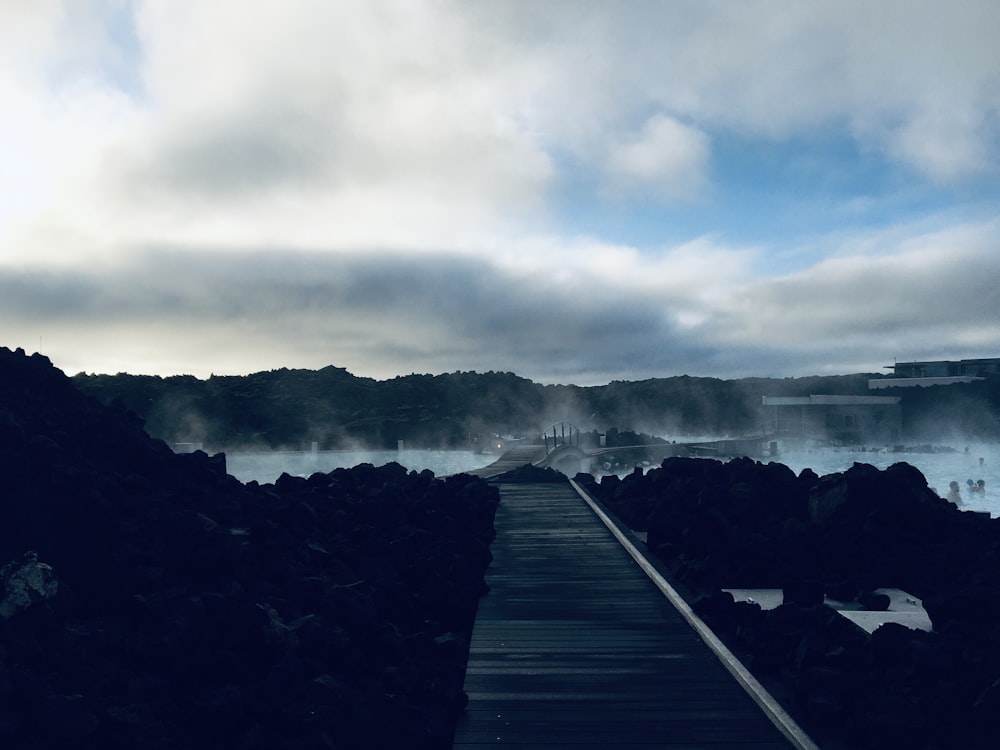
(954, 496)
(979, 486)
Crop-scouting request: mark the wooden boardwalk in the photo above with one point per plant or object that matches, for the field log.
(575, 646)
(514, 458)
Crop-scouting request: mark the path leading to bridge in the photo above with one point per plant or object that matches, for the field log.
(514, 458)
(575, 646)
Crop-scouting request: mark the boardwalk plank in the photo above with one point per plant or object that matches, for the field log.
(575, 647)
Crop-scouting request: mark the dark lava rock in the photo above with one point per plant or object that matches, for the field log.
(151, 600)
(968, 604)
(804, 593)
(874, 602)
(742, 524)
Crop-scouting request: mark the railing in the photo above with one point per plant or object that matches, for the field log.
(557, 434)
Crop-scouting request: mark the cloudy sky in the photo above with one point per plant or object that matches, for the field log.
(574, 191)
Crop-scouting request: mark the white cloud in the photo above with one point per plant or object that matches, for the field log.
(930, 289)
(943, 145)
(580, 310)
(360, 98)
(441, 124)
(666, 158)
(302, 123)
(55, 110)
(346, 136)
(888, 72)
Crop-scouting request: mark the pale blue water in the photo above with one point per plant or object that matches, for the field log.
(938, 468)
(268, 466)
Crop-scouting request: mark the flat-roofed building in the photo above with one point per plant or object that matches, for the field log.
(843, 419)
(937, 372)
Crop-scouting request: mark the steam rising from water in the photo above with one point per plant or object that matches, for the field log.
(939, 468)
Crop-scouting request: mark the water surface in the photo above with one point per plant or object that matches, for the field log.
(959, 464)
(267, 466)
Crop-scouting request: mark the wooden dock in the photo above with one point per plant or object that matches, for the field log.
(575, 646)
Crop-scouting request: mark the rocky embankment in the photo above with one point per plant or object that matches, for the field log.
(742, 524)
(150, 600)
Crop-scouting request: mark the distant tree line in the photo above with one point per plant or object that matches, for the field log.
(290, 409)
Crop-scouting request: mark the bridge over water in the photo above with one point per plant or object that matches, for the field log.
(581, 642)
(561, 446)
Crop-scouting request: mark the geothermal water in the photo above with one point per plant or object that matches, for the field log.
(268, 466)
(939, 468)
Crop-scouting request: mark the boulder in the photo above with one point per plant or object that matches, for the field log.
(26, 582)
(741, 524)
(149, 599)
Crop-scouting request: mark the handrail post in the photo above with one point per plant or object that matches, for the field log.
(559, 436)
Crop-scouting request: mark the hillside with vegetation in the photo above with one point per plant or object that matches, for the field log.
(288, 408)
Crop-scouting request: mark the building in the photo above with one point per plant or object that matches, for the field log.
(937, 372)
(842, 419)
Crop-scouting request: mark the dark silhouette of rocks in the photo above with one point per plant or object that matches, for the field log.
(150, 600)
(743, 524)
